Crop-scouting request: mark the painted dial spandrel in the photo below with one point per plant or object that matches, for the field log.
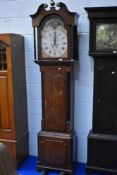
(106, 37)
(54, 41)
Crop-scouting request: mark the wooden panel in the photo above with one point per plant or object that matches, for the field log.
(7, 128)
(55, 100)
(102, 151)
(105, 97)
(56, 68)
(19, 85)
(17, 149)
(11, 146)
(4, 109)
(55, 151)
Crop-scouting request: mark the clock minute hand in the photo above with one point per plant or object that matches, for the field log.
(55, 38)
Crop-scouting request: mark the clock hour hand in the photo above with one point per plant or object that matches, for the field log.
(52, 45)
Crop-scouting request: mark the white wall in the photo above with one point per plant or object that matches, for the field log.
(14, 18)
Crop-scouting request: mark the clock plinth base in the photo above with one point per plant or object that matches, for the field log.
(46, 169)
(55, 151)
(92, 169)
(102, 153)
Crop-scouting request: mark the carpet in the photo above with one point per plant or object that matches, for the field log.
(28, 168)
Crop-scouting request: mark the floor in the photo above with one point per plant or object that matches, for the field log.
(28, 168)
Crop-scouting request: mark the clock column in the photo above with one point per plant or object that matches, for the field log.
(56, 50)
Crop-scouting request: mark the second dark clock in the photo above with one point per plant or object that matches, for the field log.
(102, 139)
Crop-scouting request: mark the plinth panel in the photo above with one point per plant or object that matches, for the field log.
(55, 150)
(102, 153)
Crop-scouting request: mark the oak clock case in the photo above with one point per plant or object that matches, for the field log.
(102, 139)
(55, 45)
(13, 105)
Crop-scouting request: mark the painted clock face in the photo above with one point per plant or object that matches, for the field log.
(106, 36)
(54, 42)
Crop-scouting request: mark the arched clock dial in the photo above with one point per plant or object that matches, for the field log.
(54, 41)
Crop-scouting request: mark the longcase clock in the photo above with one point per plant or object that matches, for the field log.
(55, 45)
(102, 140)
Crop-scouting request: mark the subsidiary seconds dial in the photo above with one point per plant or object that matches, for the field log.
(54, 39)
